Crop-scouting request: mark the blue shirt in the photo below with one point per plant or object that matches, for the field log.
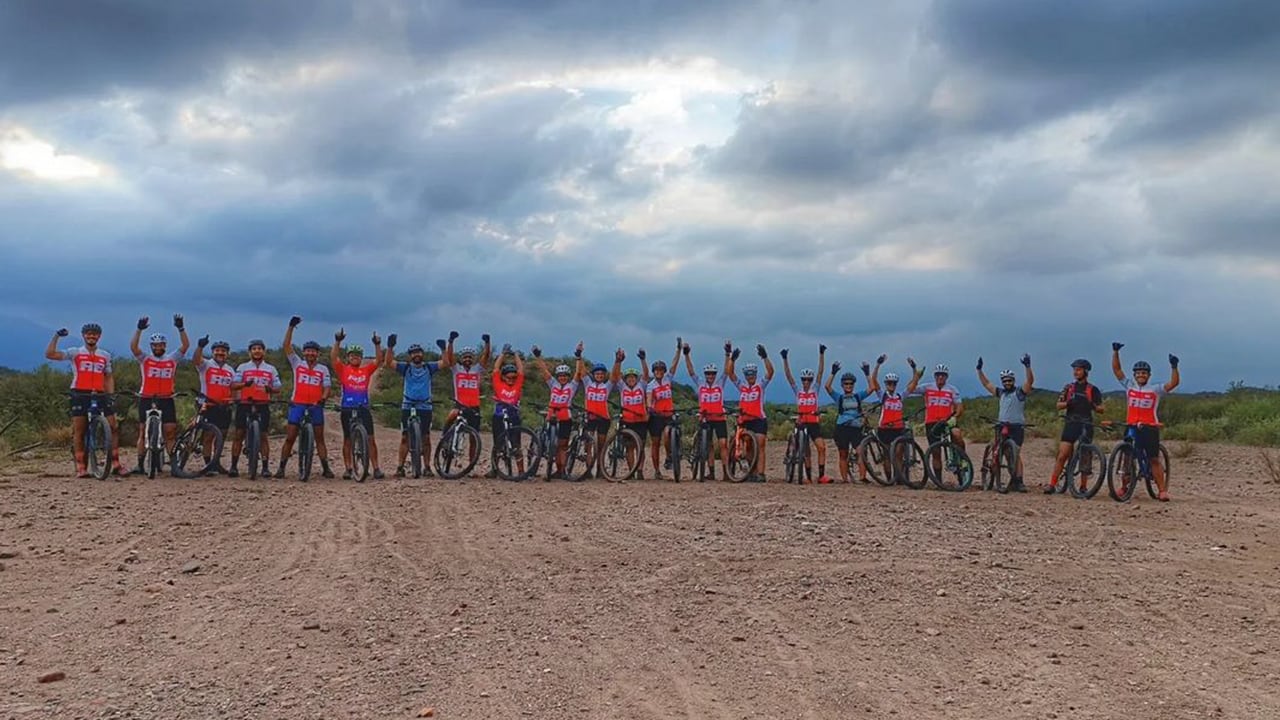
(417, 381)
(848, 406)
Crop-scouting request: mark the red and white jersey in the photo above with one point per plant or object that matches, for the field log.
(466, 385)
(751, 398)
(596, 395)
(309, 381)
(634, 402)
(1143, 402)
(891, 410)
(664, 401)
(807, 406)
(257, 377)
(158, 374)
(215, 380)
(559, 399)
(711, 399)
(89, 368)
(507, 393)
(940, 402)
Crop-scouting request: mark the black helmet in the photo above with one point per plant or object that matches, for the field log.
(90, 328)
(1142, 365)
(221, 344)
(257, 342)
(508, 368)
(1082, 363)
(311, 345)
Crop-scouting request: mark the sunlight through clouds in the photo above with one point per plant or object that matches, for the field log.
(25, 154)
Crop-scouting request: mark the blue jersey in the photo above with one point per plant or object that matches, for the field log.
(849, 406)
(417, 381)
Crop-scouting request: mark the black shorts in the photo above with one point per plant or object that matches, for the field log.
(597, 426)
(936, 431)
(261, 412)
(80, 404)
(168, 409)
(471, 416)
(424, 417)
(759, 426)
(888, 435)
(362, 413)
(513, 428)
(1147, 440)
(641, 429)
(814, 430)
(1074, 431)
(1016, 433)
(218, 415)
(848, 436)
(658, 423)
(718, 427)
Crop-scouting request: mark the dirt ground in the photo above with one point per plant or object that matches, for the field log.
(486, 599)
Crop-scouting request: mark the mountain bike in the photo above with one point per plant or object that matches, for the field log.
(192, 440)
(516, 450)
(1082, 475)
(673, 441)
(871, 452)
(622, 449)
(416, 432)
(97, 434)
(1000, 457)
(152, 459)
(797, 453)
(907, 457)
(744, 452)
(949, 467)
(359, 437)
(548, 445)
(253, 439)
(702, 454)
(1128, 462)
(306, 441)
(581, 455)
(458, 450)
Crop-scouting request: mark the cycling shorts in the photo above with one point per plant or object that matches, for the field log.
(245, 411)
(1016, 433)
(1073, 431)
(597, 426)
(719, 428)
(813, 430)
(219, 416)
(936, 431)
(848, 436)
(424, 417)
(362, 414)
(166, 406)
(1147, 440)
(759, 426)
(314, 412)
(641, 429)
(888, 435)
(658, 423)
(80, 404)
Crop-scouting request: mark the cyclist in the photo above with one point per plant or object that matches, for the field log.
(751, 402)
(256, 380)
(159, 370)
(892, 423)
(596, 387)
(661, 407)
(356, 378)
(711, 409)
(467, 370)
(848, 431)
(942, 405)
(1013, 408)
(807, 409)
(216, 376)
(562, 384)
(508, 386)
(633, 396)
(417, 374)
(1079, 400)
(1143, 398)
(90, 373)
(311, 387)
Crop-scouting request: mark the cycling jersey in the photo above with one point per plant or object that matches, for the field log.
(751, 398)
(417, 381)
(634, 406)
(1143, 401)
(807, 406)
(711, 399)
(892, 410)
(597, 397)
(505, 393)
(355, 383)
(158, 374)
(1013, 406)
(663, 398)
(559, 399)
(848, 406)
(1081, 398)
(309, 381)
(260, 377)
(466, 385)
(940, 402)
(215, 380)
(89, 368)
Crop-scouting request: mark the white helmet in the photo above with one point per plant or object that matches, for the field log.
(1007, 375)
(563, 370)
(891, 377)
(941, 368)
(158, 338)
(710, 368)
(467, 350)
(806, 374)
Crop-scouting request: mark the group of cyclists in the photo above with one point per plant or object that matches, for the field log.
(643, 392)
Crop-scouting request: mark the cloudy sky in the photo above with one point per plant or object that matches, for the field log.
(943, 179)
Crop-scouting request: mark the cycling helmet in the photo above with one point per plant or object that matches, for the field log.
(660, 365)
(90, 328)
(158, 338)
(508, 368)
(1007, 375)
(258, 343)
(750, 369)
(467, 350)
(806, 374)
(311, 345)
(710, 369)
(1142, 365)
(415, 348)
(849, 377)
(598, 367)
(941, 368)
(355, 349)
(630, 371)
(222, 345)
(563, 370)
(891, 377)
(1082, 363)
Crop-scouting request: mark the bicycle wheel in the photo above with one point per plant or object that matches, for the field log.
(546, 450)
(577, 462)
(1150, 479)
(1006, 468)
(1122, 473)
(190, 445)
(791, 459)
(698, 457)
(622, 454)
(990, 468)
(1085, 471)
(458, 451)
(415, 446)
(253, 448)
(674, 451)
(743, 457)
(908, 463)
(306, 442)
(153, 458)
(97, 446)
(872, 452)
(359, 449)
(515, 457)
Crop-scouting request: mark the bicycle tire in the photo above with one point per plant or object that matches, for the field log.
(622, 444)
(577, 462)
(546, 450)
(990, 468)
(871, 452)
(791, 458)
(415, 446)
(674, 450)
(453, 463)
(97, 444)
(1006, 467)
(359, 449)
(1121, 469)
(253, 447)
(698, 455)
(1086, 457)
(154, 447)
(1150, 479)
(191, 443)
(508, 456)
(306, 443)
(911, 465)
(744, 457)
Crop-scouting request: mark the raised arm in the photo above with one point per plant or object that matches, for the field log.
(377, 353)
(538, 363)
(1175, 376)
(134, 347)
(288, 336)
(519, 356)
(786, 367)
(334, 358)
(486, 353)
(201, 344)
(1030, 383)
(835, 368)
(184, 342)
(675, 359)
(768, 364)
(389, 359)
(982, 378)
(615, 375)
(446, 360)
(916, 374)
(873, 380)
(644, 365)
(730, 359)
(580, 368)
(1115, 361)
(822, 362)
(688, 363)
(51, 351)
